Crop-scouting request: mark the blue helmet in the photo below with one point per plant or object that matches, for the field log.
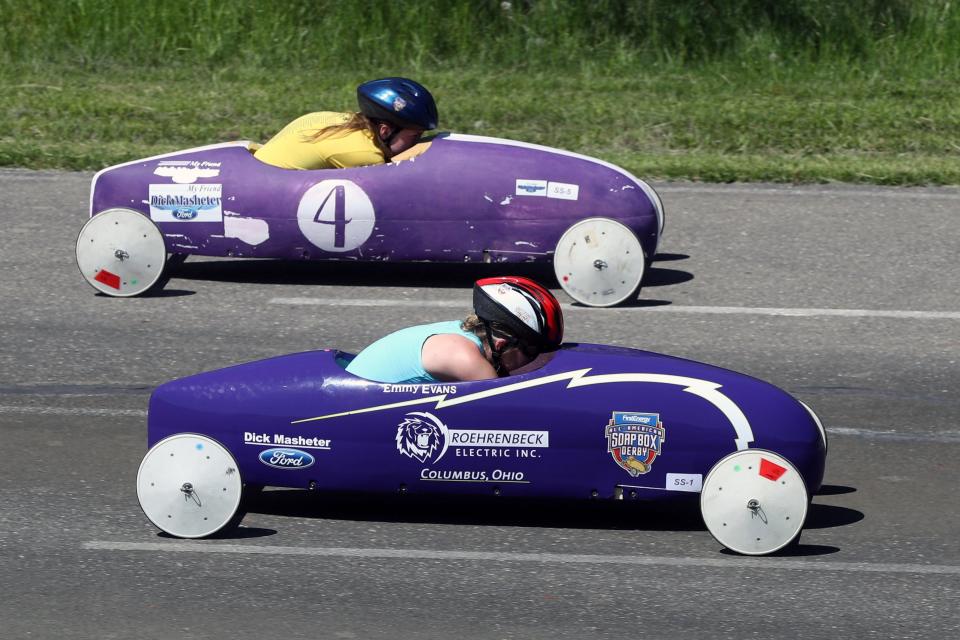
(400, 101)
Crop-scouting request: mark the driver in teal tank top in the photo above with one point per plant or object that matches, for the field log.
(514, 320)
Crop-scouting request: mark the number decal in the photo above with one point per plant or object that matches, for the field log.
(336, 215)
(339, 216)
(692, 482)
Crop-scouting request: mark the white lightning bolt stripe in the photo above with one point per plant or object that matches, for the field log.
(510, 388)
(382, 407)
(443, 402)
(709, 391)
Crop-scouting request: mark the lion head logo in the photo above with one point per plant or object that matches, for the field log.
(420, 435)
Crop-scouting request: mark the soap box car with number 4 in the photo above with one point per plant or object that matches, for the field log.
(464, 199)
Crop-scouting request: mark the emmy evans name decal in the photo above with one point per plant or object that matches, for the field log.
(425, 389)
(423, 437)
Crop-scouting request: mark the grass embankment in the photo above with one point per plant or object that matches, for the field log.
(668, 93)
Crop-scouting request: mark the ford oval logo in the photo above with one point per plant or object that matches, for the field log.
(286, 458)
(184, 214)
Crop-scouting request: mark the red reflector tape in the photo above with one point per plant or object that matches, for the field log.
(771, 470)
(112, 280)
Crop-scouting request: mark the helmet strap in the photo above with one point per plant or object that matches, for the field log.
(394, 131)
(495, 355)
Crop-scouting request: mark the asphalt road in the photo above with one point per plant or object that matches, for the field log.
(845, 296)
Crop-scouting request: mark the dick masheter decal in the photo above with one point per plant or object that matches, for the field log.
(280, 439)
(423, 437)
(186, 202)
(635, 440)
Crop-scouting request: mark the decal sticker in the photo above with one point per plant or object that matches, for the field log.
(253, 231)
(684, 482)
(563, 191)
(425, 438)
(187, 171)
(425, 389)
(420, 435)
(771, 470)
(301, 442)
(112, 280)
(336, 215)
(186, 202)
(497, 475)
(531, 187)
(498, 438)
(635, 440)
(399, 103)
(287, 459)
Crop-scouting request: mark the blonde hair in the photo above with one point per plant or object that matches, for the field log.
(476, 326)
(356, 122)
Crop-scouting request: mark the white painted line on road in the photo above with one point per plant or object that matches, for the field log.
(809, 313)
(871, 434)
(904, 193)
(73, 411)
(372, 302)
(502, 556)
(762, 311)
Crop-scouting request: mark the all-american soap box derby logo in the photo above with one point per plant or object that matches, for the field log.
(635, 440)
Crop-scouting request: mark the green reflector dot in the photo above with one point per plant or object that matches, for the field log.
(736, 467)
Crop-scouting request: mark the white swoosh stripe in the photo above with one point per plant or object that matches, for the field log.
(705, 389)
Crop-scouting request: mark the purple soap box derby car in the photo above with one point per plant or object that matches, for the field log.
(465, 199)
(584, 422)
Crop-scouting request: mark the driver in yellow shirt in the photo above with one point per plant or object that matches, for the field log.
(394, 113)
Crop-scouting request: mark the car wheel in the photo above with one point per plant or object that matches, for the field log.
(599, 262)
(121, 252)
(754, 502)
(189, 486)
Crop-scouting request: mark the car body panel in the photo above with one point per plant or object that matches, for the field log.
(556, 431)
(467, 198)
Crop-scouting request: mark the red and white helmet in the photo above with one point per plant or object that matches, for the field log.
(526, 309)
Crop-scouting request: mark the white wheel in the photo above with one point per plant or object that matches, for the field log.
(599, 262)
(121, 252)
(754, 502)
(189, 486)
